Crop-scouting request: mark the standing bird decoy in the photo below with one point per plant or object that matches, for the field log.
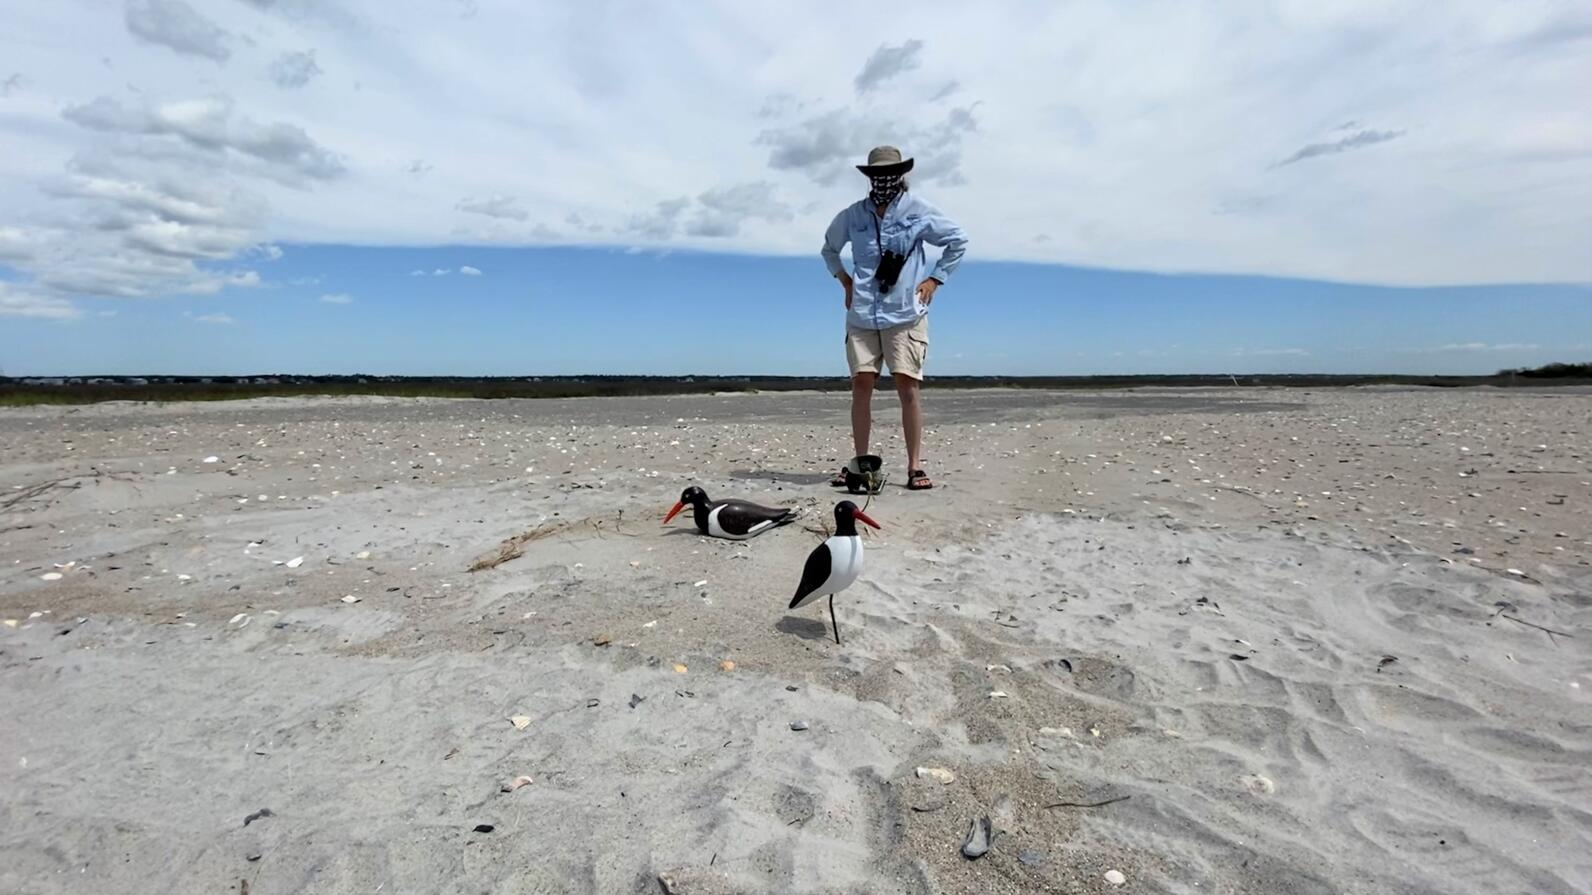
(834, 564)
(736, 520)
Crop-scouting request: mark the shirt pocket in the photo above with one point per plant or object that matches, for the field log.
(864, 247)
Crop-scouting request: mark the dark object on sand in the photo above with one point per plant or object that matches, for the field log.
(834, 564)
(736, 520)
(1100, 804)
(484, 828)
(798, 725)
(864, 475)
(262, 813)
(979, 837)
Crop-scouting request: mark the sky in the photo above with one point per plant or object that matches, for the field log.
(478, 187)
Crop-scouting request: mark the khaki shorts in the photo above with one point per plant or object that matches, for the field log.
(904, 348)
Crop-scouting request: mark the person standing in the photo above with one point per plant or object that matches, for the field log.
(888, 293)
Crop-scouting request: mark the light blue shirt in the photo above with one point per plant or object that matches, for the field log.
(908, 223)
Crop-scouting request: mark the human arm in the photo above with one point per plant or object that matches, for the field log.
(835, 238)
(941, 231)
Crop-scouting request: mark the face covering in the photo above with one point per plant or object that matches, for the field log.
(885, 188)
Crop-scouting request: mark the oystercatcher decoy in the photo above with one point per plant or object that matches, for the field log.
(736, 520)
(834, 564)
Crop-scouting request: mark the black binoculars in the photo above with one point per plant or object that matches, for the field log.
(889, 270)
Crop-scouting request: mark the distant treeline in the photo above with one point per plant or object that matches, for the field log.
(1552, 371)
(91, 389)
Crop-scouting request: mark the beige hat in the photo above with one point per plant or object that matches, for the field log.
(885, 160)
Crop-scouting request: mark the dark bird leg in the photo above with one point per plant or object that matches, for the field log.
(832, 619)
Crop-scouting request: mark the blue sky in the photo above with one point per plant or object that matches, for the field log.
(337, 309)
(1155, 186)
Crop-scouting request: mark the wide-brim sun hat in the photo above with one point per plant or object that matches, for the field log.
(884, 161)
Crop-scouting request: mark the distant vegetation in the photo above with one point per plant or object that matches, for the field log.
(1552, 371)
(91, 389)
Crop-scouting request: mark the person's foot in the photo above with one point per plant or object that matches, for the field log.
(918, 480)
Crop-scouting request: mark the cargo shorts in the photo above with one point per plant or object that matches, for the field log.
(904, 348)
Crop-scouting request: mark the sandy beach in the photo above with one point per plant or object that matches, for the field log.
(1193, 641)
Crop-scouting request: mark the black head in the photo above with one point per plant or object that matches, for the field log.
(847, 515)
(693, 497)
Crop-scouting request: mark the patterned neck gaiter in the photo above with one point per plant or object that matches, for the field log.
(885, 188)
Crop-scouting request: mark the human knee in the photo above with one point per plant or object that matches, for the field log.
(862, 383)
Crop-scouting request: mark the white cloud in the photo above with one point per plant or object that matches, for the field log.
(293, 70)
(417, 273)
(1356, 140)
(139, 223)
(494, 207)
(440, 272)
(469, 271)
(163, 200)
(721, 211)
(17, 303)
(887, 62)
(177, 26)
(16, 245)
(1483, 346)
(1144, 136)
(826, 148)
(212, 124)
(223, 319)
(338, 298)
(661, 222)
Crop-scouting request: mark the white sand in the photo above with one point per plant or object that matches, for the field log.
(178, 679)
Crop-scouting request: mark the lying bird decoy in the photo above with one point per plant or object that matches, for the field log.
(834, 564)
(736, 520)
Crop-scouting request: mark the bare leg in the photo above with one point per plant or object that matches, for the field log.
(910, 391)
(861, 411)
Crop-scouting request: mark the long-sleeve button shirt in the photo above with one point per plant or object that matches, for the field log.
(908, 223)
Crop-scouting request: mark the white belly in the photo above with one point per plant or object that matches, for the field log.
(845, 564)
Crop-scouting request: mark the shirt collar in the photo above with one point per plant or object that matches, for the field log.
(894, 205)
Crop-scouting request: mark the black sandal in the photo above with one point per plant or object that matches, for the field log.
(918, 480)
